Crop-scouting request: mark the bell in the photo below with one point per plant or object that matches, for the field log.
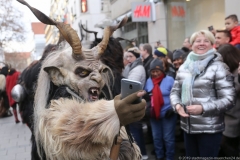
(18, 93)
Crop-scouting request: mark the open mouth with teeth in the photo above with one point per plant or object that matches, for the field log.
(93, 93)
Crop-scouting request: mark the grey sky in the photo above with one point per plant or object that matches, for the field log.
(28, 17)
(42, 5)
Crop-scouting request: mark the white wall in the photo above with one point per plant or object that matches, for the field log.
(232, 7)
(207, 13)
(157, 30)
(199, 14)
(91, 18)
(121, 7)
(39, 46)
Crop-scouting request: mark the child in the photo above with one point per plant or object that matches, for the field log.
(231, 23)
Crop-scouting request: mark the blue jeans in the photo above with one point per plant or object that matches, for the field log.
(202, 145)
(163, 131)
(137, 133)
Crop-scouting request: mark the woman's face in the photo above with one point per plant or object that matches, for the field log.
(201, 45)
(155, 73)
(177, 63)
(130, 57)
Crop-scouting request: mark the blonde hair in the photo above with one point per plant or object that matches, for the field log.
(206, 33)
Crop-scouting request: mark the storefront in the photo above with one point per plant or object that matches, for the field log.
(187, 16)
(174, 19)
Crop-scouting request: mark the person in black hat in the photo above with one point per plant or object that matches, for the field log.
(179, 57)
(162, 117)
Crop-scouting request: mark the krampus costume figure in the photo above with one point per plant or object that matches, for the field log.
(28, 80)
(70, 121)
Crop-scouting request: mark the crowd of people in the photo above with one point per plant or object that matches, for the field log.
(199, 82)
(196, 85)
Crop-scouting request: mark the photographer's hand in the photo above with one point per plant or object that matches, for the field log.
(128, 112)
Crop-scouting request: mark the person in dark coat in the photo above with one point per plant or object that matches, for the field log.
(146, 54)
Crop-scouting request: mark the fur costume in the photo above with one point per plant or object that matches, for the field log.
(4, 102)
(69, 121)
(28, 80)
(2, 82)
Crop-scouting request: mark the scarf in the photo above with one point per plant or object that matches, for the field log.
(195, 64)
(157, 96)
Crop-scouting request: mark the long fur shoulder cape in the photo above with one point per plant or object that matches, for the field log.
(2, 82)
(71, 130)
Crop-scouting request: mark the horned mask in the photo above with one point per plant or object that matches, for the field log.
(76, 67)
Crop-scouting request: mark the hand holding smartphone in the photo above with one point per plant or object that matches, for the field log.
(210, 28)
(130, 86)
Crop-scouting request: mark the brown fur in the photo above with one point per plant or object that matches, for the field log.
(73, 130)
(2, 82)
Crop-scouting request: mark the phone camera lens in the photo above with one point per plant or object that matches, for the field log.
(130, 86)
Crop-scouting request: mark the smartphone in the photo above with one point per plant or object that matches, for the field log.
(130, 86)
(210, 28)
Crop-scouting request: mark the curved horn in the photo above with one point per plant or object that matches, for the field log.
(108, 31)
(61, 38)
(66, 30)
(120, 39)
(94, 32)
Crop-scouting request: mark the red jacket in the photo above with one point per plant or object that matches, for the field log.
(11, 81)
(235, 33)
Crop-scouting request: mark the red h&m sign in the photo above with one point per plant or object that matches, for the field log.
(143, 11)
(178, 11)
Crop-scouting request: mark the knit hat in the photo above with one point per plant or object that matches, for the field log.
(135, 51)
(156, 64)
(179, 53)
(160, 52)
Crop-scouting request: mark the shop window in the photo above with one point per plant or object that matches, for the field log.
(143, 39)
(130, 26)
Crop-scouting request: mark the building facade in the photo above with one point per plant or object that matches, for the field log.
(175, 19)
(93, 15)
(39, 40)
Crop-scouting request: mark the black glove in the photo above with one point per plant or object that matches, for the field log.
(169, 113)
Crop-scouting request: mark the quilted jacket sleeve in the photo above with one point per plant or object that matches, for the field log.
(225, 91)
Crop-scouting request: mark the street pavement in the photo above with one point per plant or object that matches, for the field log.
(15, 141)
